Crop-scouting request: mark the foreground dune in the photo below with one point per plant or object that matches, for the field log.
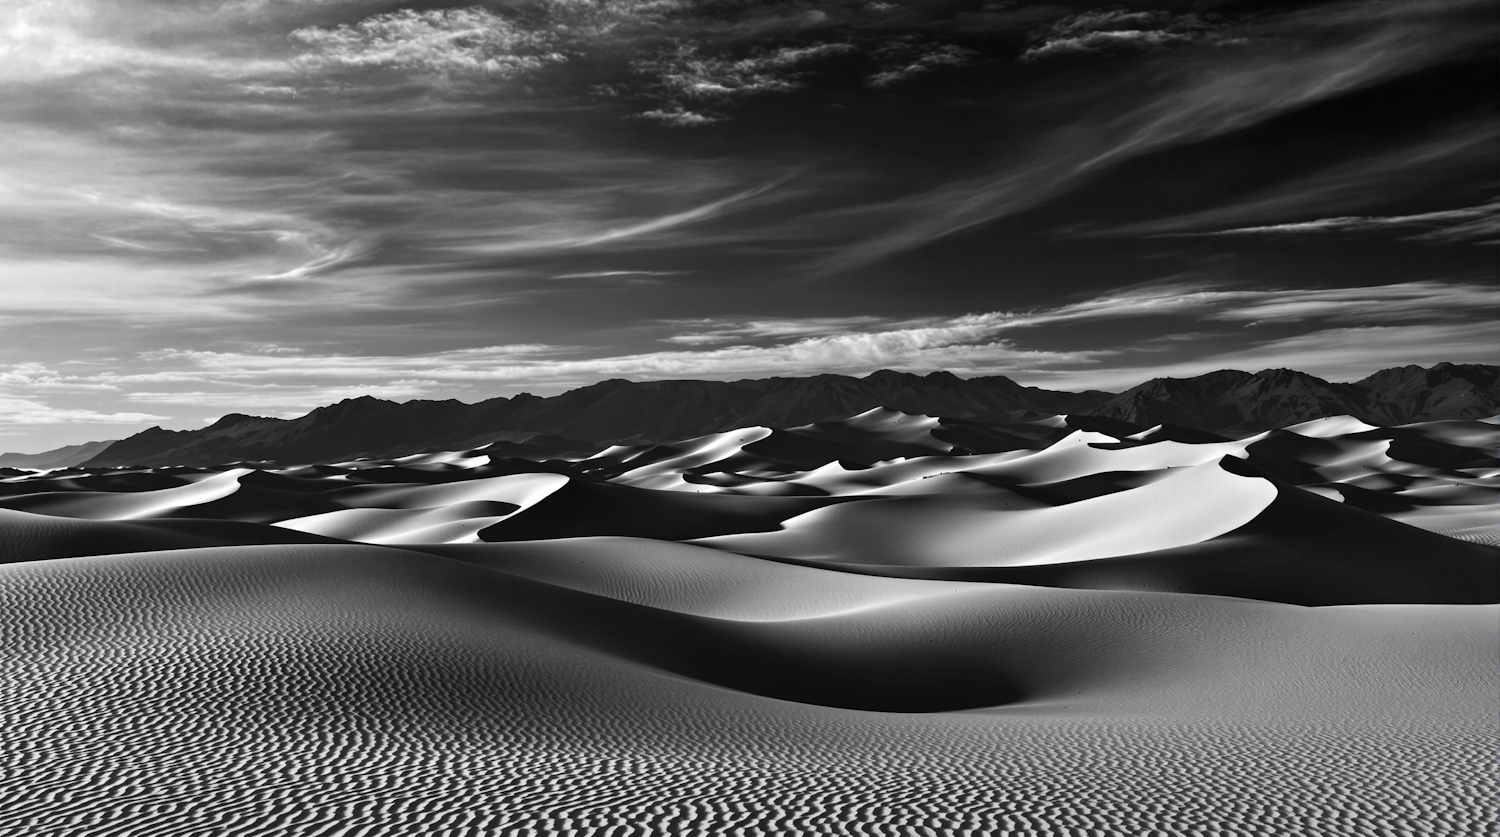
(1092, 634)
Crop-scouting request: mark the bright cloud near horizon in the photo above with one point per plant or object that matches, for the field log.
(264, 206)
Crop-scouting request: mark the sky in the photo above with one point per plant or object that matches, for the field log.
(265, 206)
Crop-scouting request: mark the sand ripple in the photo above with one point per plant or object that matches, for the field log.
(279, 691)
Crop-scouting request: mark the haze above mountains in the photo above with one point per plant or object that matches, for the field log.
(1229, 403)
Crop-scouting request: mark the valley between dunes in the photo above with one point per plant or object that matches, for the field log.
(893, 624)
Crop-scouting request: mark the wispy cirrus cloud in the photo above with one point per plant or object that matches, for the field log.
(576, 223)
(1405, 171)
(1095, 32)
(676, 219)
(37, 377)
(50, 39)
(1364, 48)
(621, 275)
(455, 364)
(1227, 92)
(709, 331)
(1477, 224)
(1399, 302)
(21, 411)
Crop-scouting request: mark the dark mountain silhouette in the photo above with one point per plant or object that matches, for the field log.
(619, 411)
(62, 457)
(1447, 390)
(607, 412)
(1238, 402)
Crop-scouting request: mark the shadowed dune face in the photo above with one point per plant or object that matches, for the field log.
(864, 622)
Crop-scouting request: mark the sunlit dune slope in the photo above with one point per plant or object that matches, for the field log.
(683, 612)
(1190, 506)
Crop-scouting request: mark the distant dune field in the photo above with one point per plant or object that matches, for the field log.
(888, 625)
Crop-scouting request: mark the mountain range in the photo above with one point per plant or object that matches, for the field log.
(1228, 403)
(56, 458)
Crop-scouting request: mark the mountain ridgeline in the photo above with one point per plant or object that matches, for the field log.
(618, 411)
(56, 458)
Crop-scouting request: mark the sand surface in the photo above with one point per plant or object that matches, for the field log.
(852, 628)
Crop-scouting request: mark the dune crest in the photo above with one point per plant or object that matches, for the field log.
(1189, 506)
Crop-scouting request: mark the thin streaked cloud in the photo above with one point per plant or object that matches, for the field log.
(21, 411)
(1477, 224)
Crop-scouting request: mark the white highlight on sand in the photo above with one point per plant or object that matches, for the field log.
(147, 504)
(1324, 428)
(445, 513)
(1186, 507)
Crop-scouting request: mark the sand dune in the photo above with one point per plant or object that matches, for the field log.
(1190, 506)
(1332, 511)
(130, 504)
(895, 624)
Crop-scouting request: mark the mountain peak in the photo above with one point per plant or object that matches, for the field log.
(1282, 373)
(356, 403)
(232, 419)
(880, 375)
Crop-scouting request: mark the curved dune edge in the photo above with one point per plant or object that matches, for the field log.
(897, 644)
(132, 505)
(1192, 506)
(696, 580)
(1302, 549)
(443, 513)
(25, 536)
